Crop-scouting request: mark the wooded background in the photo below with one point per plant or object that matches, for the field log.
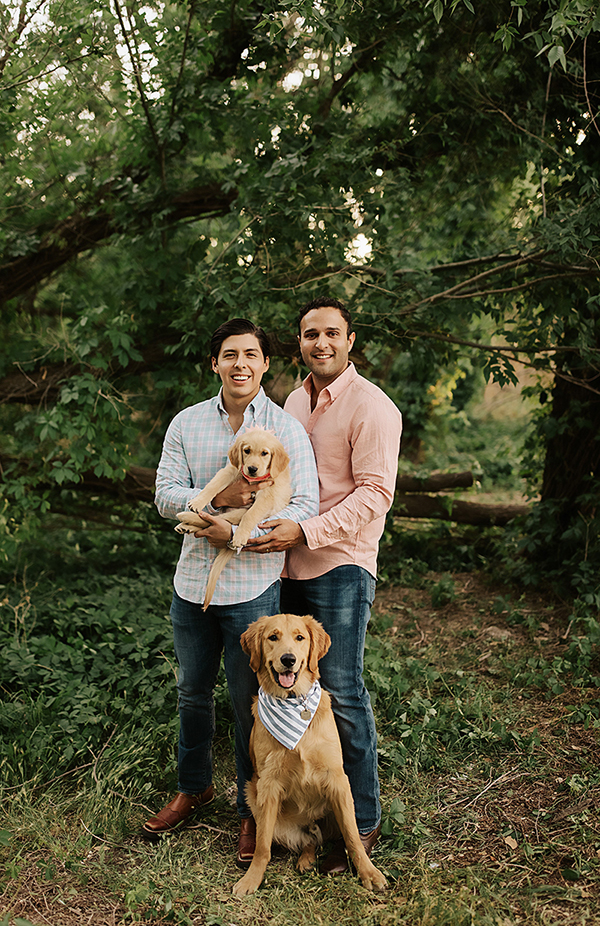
(168, 165)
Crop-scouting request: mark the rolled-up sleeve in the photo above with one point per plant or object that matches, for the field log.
(375, 442)
(174, 484)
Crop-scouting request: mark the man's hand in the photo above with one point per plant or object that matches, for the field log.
(283, 535)
(218, 531)
(240, 494)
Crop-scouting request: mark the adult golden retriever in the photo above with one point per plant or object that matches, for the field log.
(261, 459)
(293, 790)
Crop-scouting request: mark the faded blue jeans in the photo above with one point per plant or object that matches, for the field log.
(200, 638)
(341, 600)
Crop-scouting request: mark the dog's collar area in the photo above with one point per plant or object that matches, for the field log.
(288, 719)
(254, 479)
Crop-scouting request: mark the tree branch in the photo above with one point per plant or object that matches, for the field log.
(135, 64)
(339, 84)
(22, 22)
(585, 86)
(82, 231)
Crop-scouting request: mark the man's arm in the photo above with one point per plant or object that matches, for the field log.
(305, 496)
(174, 488)
(174, 485)
(375, 448)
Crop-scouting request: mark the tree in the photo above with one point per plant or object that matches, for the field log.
(168, 165)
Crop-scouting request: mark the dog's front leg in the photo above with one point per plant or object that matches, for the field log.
(269, 795)
(258, 511)
(342, 805)
(220, 481)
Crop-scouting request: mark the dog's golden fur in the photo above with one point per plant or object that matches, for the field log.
(259, 456)
(294, 790)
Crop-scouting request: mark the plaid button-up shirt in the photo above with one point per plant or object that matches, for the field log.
(195, 448)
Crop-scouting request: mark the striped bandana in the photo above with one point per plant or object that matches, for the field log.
(281, 716)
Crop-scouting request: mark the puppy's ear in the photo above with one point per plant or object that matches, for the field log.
(279, 461)
(235, 454)
(320, 641)
(251, 641)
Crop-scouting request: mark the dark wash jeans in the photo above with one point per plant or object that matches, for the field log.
(200, 637)
(341, 601)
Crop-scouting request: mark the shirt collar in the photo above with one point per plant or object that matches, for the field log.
(252, 411)
(337, 386)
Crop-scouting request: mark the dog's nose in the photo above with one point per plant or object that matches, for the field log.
(288, 660)
(252, 470)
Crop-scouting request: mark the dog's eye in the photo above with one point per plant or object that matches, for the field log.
(299, 636)
(273, 637)
(246, 450)
(264, 453)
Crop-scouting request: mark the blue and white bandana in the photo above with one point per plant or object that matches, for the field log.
(283, 718)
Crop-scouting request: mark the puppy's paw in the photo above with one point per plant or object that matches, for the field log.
(189, 522)
(185, 529)
(195, 504)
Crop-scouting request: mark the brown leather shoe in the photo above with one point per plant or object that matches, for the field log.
(336, 863)
(246, 842)
(179, 813)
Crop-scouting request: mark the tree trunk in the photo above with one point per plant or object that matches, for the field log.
(573, 448)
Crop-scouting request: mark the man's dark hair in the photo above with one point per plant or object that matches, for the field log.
(238, 326)
(326, 302)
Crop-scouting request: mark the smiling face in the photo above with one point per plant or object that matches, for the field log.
(325, 344)
(284, 652)
(241, 365)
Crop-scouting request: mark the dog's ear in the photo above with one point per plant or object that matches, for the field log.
(279, 460)
(320, 641)
(235, 454)
(251, 641)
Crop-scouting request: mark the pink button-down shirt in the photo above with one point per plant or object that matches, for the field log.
(355, 433)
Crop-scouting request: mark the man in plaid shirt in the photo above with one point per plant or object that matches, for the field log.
(195, 448)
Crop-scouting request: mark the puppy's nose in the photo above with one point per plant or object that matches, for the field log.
(252, 470)
(288, 660)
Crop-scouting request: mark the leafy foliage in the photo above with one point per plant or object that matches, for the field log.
(166, 166)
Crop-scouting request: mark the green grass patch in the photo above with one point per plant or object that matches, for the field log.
(489, 775)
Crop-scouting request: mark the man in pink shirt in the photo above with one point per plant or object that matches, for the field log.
(354, 429)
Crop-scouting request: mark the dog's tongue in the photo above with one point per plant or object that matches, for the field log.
(286, 679)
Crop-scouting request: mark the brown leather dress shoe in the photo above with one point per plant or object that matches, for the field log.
(246, 842)
(177, 814)
(336, 863)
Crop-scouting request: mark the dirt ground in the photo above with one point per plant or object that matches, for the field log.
(539, 806)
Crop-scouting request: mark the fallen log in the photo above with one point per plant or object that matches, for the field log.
(138, 486)
(434, 482)
(449, 509)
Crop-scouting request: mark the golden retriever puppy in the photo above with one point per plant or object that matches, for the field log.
(298, 780)
(260, 457)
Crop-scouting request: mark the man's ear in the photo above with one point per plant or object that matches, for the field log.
(351, 340)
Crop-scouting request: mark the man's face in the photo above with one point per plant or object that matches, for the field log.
(241, 366)
(325, 343)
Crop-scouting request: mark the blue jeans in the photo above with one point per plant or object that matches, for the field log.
(341, 600)
(200, 638)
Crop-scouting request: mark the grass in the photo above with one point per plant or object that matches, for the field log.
(489, 762)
